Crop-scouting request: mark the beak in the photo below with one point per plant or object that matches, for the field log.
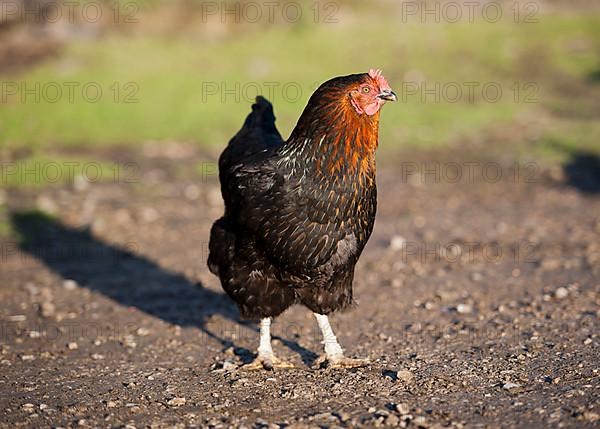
(388, 95)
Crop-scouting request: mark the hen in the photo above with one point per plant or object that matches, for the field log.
(299, 212)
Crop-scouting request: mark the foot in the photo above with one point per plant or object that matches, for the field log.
(334, 354)
(268, 362)
(340, 361)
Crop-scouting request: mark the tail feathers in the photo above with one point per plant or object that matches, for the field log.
(256, 135)
(261, 117)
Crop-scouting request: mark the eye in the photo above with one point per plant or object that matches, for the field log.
(366, 89)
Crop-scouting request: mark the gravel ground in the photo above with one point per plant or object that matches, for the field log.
(110, 317)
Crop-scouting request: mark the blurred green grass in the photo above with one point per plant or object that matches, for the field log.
(172, 74)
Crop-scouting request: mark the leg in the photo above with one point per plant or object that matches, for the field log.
(334, 354)
(266, 358)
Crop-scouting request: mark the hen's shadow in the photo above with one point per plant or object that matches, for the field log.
(125, 276)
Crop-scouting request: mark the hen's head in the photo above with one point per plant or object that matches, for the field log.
(370, 93)
(355, 95)
(345, 109)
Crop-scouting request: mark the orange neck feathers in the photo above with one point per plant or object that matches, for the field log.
(335, 137)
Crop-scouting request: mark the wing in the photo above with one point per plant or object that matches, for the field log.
(306, 226)
(300, 222)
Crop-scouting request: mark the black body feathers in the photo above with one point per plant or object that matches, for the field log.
(298, 213)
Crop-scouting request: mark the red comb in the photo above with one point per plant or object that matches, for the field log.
(377, 76)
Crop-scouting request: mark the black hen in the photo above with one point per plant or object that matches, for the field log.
(298, 213)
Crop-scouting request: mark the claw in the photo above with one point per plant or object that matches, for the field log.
(339, 362)
(257, 363)
(267, 362)
(345, 362)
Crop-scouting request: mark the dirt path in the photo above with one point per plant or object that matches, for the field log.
(118, 322)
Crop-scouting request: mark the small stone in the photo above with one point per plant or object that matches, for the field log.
(419, 221)
(464, 308)
(402, 409)
(43, 406)
(46, 204)
(397, 283)
(47, 309)
(17, 318)
(28, 407)
(72, 346)
(129, 341)
(476, 277)
(419, 421)
(550, 264)
(392, 420)
(70, 284)
(176, 402)
(587, 341)
(561, 293)
(27, 357)
(149, 214)
(122, 215)
(229, 366)
(191, 192)
(32, 289)
(388, 373)
(382, 413)
(142, 332)
(80, 183)
(97, 356)
(111, 404)
(397, 242)
(406, 376)
(510, 386)
(343, 416)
